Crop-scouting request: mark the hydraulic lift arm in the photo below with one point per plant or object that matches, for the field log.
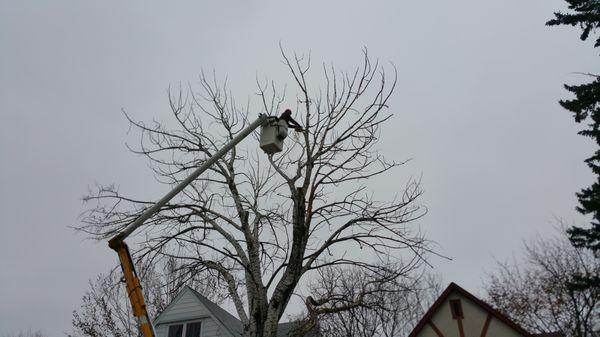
(133, 286)
(117, 243)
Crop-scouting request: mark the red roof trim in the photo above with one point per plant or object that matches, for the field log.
(455, 287)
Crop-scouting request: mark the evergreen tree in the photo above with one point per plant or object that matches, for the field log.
(586, 108)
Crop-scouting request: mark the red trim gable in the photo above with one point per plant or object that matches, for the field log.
(454, 287)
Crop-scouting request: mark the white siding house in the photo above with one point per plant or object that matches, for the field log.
(192, 315)
(458, 313)
(187, 310)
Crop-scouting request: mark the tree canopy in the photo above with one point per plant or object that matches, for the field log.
(586, 109)
(260, 224)
(534, 289)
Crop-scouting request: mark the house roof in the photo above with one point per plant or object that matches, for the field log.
(453, 287)
(285, 329)
(227, 320)
(231, 323)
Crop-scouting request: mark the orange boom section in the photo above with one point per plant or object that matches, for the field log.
(134, 288)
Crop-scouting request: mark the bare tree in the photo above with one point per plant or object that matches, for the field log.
(370, 309)
(105, 311)
(535, 292)
(261, 224)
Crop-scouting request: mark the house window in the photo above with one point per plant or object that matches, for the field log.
(191, 329)
(456, 309)
(175, 330)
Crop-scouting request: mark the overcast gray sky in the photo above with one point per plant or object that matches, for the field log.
(476, 108)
